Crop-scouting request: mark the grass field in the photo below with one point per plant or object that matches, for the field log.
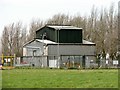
(55, 78)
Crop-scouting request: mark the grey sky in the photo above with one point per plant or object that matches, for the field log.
(25, 10)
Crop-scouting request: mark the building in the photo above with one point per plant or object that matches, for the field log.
(59, 46)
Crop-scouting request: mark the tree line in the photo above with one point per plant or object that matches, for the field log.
(100, 27)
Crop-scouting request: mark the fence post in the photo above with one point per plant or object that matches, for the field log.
(2, 59)
(14, 60)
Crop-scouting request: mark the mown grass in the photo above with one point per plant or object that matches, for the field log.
(56, 78)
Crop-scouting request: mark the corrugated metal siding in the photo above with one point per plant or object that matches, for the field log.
(61, 36)
(50, 33)
(71, 50)
(70, 36)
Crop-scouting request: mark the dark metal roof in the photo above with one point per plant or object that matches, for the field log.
(59, 27)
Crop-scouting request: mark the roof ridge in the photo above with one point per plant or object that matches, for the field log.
(58, 25)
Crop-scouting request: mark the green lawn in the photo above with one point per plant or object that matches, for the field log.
(56, 78)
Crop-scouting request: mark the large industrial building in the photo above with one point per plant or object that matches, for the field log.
(58, 46)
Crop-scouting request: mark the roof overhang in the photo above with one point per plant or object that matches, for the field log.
(48, 42)
(60, 27)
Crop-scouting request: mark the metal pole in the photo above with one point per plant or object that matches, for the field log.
(43, 49)
(2, 59)
(58, 61)
(119, 43)
(14, 60)
(119, 33)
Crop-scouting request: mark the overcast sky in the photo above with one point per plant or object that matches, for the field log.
(26, 10)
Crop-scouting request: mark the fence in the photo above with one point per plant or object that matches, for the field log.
(53, 61)
(37, 61)
(108, 63)
(63, 61)
(7, 60)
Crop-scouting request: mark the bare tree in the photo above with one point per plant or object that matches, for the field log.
(59, 19)
(111, 32)
(12, 39)
(4, 40)
(34, 25)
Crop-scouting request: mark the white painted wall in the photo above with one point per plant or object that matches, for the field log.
(35, 47)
